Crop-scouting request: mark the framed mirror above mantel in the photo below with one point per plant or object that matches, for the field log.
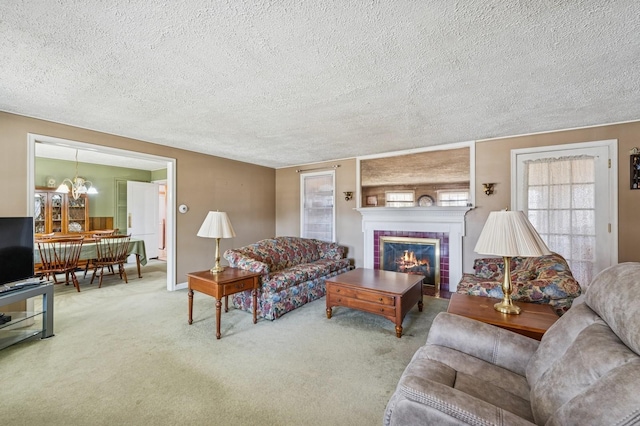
(440, 176)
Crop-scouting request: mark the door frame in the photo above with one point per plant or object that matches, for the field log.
(171, 186)
(612, 148)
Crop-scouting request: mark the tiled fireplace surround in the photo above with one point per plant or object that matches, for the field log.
(444, 223)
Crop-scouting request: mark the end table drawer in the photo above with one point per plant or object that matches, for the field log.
(238, 286)
(363, 295)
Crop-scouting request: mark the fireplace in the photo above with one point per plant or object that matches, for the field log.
(417, 256)
(445, 224)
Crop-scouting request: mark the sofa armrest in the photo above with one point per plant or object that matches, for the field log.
(328, 250)
(238, 260)
(489, 268)
(498, 346)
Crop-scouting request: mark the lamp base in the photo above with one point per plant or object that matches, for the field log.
(216, 269)
(507, 308)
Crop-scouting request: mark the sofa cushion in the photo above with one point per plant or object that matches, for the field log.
(297, 274)
(492, 268)
(459, 385)
(557, 340)
(616, 299)
(295, 251)
(284, 279)
(594, 354)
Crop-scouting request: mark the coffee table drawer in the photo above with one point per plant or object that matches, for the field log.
(363, 305)
(361, 295)
(238, 286)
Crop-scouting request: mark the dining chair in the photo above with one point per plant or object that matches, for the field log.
(111, 251)
(99, 232)
(39, 236)
(91, 235)
(59, 256)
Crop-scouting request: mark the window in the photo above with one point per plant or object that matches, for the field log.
(453, 198)
(317, 214)
(566, 191)
(400, 198)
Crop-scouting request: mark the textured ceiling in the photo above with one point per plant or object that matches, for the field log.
(282, 83)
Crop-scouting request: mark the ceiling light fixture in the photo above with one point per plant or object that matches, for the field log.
(77, 185)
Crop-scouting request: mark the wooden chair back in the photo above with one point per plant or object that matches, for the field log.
(111, 251)
(43, 236)
(59, 256)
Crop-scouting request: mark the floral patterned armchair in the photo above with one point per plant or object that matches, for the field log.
(545, 279)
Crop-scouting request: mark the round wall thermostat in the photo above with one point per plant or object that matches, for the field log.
(183, 208)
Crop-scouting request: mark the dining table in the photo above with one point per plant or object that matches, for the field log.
(88, 252)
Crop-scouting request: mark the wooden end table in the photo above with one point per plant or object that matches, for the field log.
(229, 281)
(534, 320)
(385, 293)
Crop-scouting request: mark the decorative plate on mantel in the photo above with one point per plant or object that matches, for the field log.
(425, 201)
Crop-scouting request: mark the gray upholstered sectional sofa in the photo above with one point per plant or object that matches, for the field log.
(585, 371)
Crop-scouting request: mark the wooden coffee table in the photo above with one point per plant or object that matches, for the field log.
(222, 284)
(534, 320)
(385, 293)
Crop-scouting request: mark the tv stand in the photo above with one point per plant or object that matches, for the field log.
(20, 327)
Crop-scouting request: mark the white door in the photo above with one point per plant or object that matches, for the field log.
(142, 214)
(568, 194)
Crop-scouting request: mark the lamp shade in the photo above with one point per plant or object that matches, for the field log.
(216, 225)
(509, 233)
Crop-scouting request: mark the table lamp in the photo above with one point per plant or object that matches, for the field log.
(216, 225)
(507, 234)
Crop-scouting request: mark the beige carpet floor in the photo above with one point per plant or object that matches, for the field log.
(124, 354)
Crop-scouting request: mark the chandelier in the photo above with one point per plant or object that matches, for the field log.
(77, 185)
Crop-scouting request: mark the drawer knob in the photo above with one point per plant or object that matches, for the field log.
(380, 300)
(381, 309)
(338, 291)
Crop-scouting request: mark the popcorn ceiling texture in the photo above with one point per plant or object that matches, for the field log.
(293, 82)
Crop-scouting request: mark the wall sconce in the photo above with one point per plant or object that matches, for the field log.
(348, 195)
(488, 188)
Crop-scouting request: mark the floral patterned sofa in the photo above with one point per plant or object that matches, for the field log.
(294, 271)
(545, 279)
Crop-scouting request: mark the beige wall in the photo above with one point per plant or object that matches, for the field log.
(493, 159)
(348, 229)
(493, 165)
(245, 191)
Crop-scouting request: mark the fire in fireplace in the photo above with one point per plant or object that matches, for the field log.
(419, 256)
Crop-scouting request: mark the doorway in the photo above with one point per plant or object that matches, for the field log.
(569, 194)
(122, 156)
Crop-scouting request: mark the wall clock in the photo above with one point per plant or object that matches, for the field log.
(425, 201)
(51, 182)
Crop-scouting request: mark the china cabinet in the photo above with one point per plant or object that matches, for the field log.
(56, 212)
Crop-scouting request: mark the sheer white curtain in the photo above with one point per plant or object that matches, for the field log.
(561, 206)
(317, 206)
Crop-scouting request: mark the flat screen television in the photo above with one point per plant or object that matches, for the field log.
(16, 249)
